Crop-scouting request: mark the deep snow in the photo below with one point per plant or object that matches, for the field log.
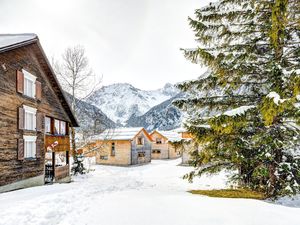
(153, 194)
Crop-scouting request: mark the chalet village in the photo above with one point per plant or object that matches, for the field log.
(150, 112)
(36, 121)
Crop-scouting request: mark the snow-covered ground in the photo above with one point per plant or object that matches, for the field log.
(153, 194)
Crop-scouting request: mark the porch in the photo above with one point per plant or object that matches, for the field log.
(57, 166)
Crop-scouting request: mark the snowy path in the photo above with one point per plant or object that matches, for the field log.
(153, 194)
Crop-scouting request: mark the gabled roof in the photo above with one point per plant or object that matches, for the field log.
(157, 132)
(171, 135)
(9, 42)
(120, 134)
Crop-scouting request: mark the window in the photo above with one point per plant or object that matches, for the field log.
(141, 154)
(158, 141)
(102, 157)
(30, 118)
(29, 84)
(56, 127)
(60, 127)
(155, 151)
(47, 125)
(113, 149)
(29, 146)
(140, 141)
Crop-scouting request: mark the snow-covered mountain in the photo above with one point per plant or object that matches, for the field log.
(164, 116)
(90, 118)
(122, 101)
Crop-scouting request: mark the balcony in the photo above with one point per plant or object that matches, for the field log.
(57, 143)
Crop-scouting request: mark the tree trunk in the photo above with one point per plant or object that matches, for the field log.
(73, 143)
(272, 179)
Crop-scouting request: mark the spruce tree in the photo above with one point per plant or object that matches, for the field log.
(249, 96)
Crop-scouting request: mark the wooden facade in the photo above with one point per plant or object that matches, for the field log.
(188, 145)
(162, 147)
(121, 149)
(48, 101)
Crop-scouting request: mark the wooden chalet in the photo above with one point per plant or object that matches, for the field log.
(123, 146)
(34, 116)
(188, 144)
(163, 146)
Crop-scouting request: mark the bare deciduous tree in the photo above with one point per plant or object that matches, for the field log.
(75, 74)
(77, 78)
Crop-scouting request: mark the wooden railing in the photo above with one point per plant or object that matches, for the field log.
(61, 172)
(59, 143)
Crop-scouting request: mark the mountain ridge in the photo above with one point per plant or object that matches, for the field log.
(164, 116)
(122, 100)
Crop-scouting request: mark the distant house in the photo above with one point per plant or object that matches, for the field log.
(164, 146)
(34, 116)
(184, 133)
(188, 144)
(123, 146)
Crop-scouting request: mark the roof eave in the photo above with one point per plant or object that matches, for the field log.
(35, 40)
(18, 45)
(73, 119)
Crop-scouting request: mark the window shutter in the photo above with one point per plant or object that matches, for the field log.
(21, 118)
(39, 121)
(38, 90)
(20, 149)
(20, 82)
(38, 149)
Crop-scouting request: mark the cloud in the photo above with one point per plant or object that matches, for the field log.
(134, 41)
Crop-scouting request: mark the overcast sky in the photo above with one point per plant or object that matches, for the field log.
(134, 41)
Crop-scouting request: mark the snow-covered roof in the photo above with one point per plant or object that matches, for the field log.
(12, 40)
(118, 134)
(180, 130)
(171, 135)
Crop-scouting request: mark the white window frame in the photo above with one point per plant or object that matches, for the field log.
(29, 153)
(62, 126)
(47, 125)
(29, 110)
(32, 78)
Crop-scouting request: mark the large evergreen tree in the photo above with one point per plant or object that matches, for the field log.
(249, 94)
